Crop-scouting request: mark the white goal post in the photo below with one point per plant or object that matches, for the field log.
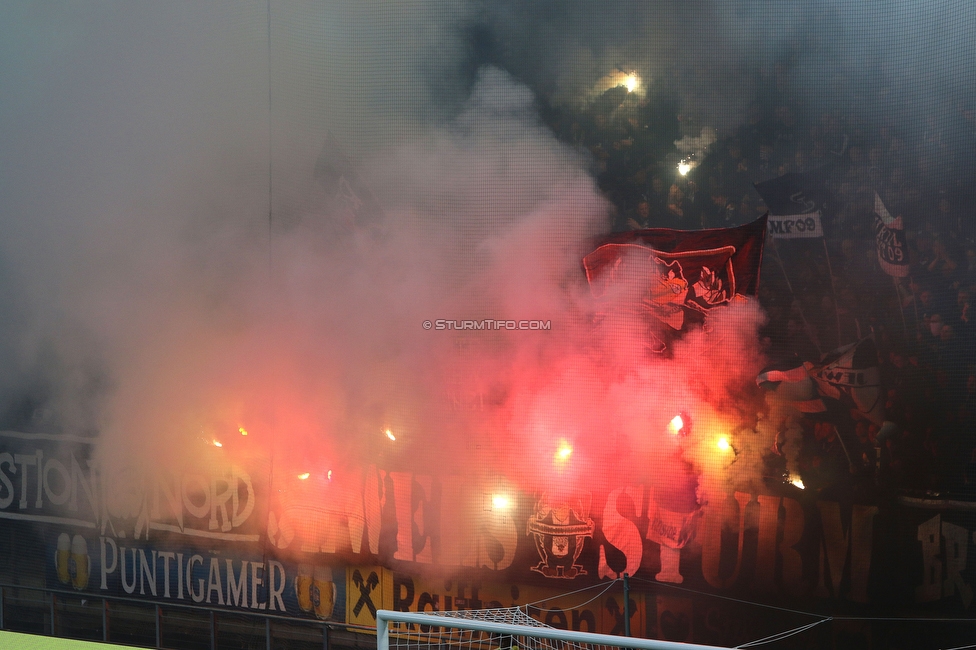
(422, 631)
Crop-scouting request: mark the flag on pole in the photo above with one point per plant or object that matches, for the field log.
(849, 375)
(793, 383)
(674, 277)
(890, 234)
(796, 194)
(795, 226)
(796, 202)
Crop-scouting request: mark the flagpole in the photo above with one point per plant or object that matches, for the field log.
(793, 295)
(904, 325)
(911, 285)
(833, 290)
(775, 248)
(893, 255)
(850, 463)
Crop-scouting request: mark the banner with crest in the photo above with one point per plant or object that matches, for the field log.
(672, 278)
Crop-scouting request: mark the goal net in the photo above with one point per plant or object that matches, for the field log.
(497, 629)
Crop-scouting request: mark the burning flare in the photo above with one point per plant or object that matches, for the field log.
(563, 451)
(676, 424)
(723, 443)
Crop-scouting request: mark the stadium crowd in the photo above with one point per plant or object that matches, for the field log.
(823, 293)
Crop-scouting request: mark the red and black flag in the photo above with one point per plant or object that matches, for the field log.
(675, 276)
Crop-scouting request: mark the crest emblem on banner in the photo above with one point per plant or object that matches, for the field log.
(72, 563)
(672, 277)
(559, 529)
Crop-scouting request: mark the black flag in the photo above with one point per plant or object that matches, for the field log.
(796, 193)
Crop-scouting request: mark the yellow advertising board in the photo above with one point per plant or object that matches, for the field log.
(599, 609)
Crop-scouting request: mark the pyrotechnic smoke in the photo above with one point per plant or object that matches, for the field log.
(484, 216)
(149, 300)
(692, 149)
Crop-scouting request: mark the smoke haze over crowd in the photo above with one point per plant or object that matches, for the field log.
(173, 270)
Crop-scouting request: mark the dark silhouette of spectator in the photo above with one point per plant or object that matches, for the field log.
(642, 217)
(723, 212)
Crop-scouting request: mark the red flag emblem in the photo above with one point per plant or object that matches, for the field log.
(676, 276)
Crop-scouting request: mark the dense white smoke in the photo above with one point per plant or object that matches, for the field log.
(172, 271)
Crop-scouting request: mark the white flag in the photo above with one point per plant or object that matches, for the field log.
(795, 226)
(890, 233)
